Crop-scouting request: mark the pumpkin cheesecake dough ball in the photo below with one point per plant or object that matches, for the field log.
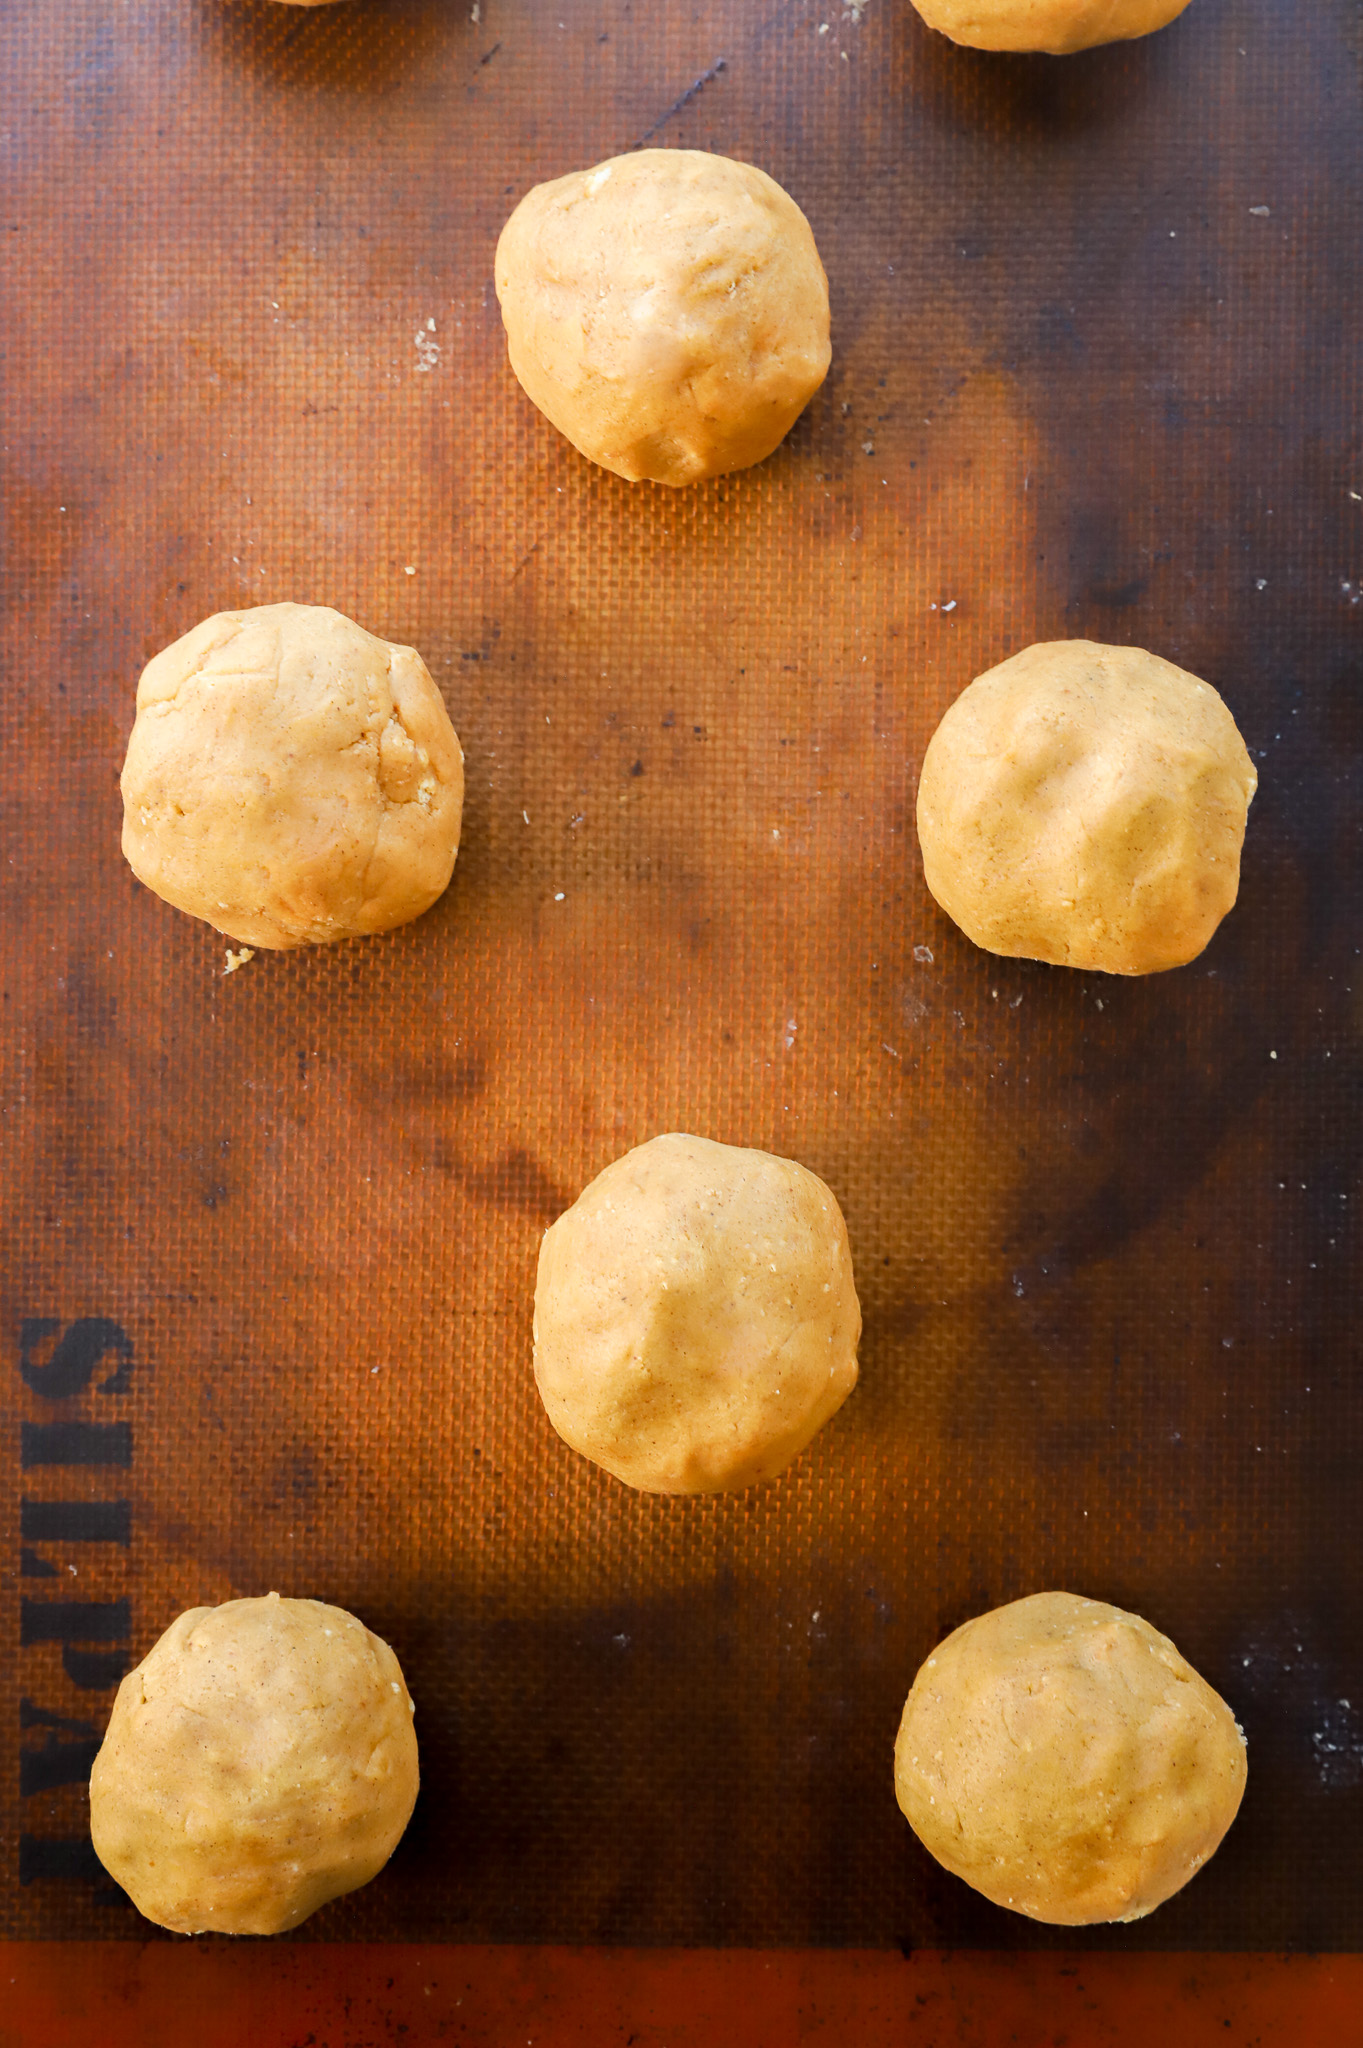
(667, 311)
(1086, 805)
(292, 779)
(1060, 1756)
(695, 1317)
(1058, 26)
(259, 1761)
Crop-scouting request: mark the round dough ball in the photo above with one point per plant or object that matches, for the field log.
(1086, 805)
(695, 1316)
(1058, 26)
(291, 778)
(1060, 1756)
(667, 311)
(259, 1761)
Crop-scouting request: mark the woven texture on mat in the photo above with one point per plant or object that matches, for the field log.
(270, 1238)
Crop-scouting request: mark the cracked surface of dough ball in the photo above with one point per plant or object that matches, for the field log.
(291, 778)
(1055, 26)
(259, 1761)
(1064, 1759)
(695, 1316)
(1086, 805)
(667, 310)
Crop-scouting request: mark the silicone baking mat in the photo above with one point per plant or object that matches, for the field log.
(270, 1237)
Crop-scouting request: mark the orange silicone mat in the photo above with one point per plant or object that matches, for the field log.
(270, 1238)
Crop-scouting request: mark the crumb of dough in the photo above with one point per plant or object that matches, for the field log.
(236, 960)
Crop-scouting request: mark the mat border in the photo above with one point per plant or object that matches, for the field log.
(331, 1995)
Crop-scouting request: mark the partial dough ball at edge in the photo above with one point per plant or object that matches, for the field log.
(1056, 28)
(696, 1319)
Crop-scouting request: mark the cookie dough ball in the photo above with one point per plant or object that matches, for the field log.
(1055, 25)
(291, 778)
(259, 1761)
(667, 311)
(1061, 1757)
(695, 1317)
(1086, 805)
